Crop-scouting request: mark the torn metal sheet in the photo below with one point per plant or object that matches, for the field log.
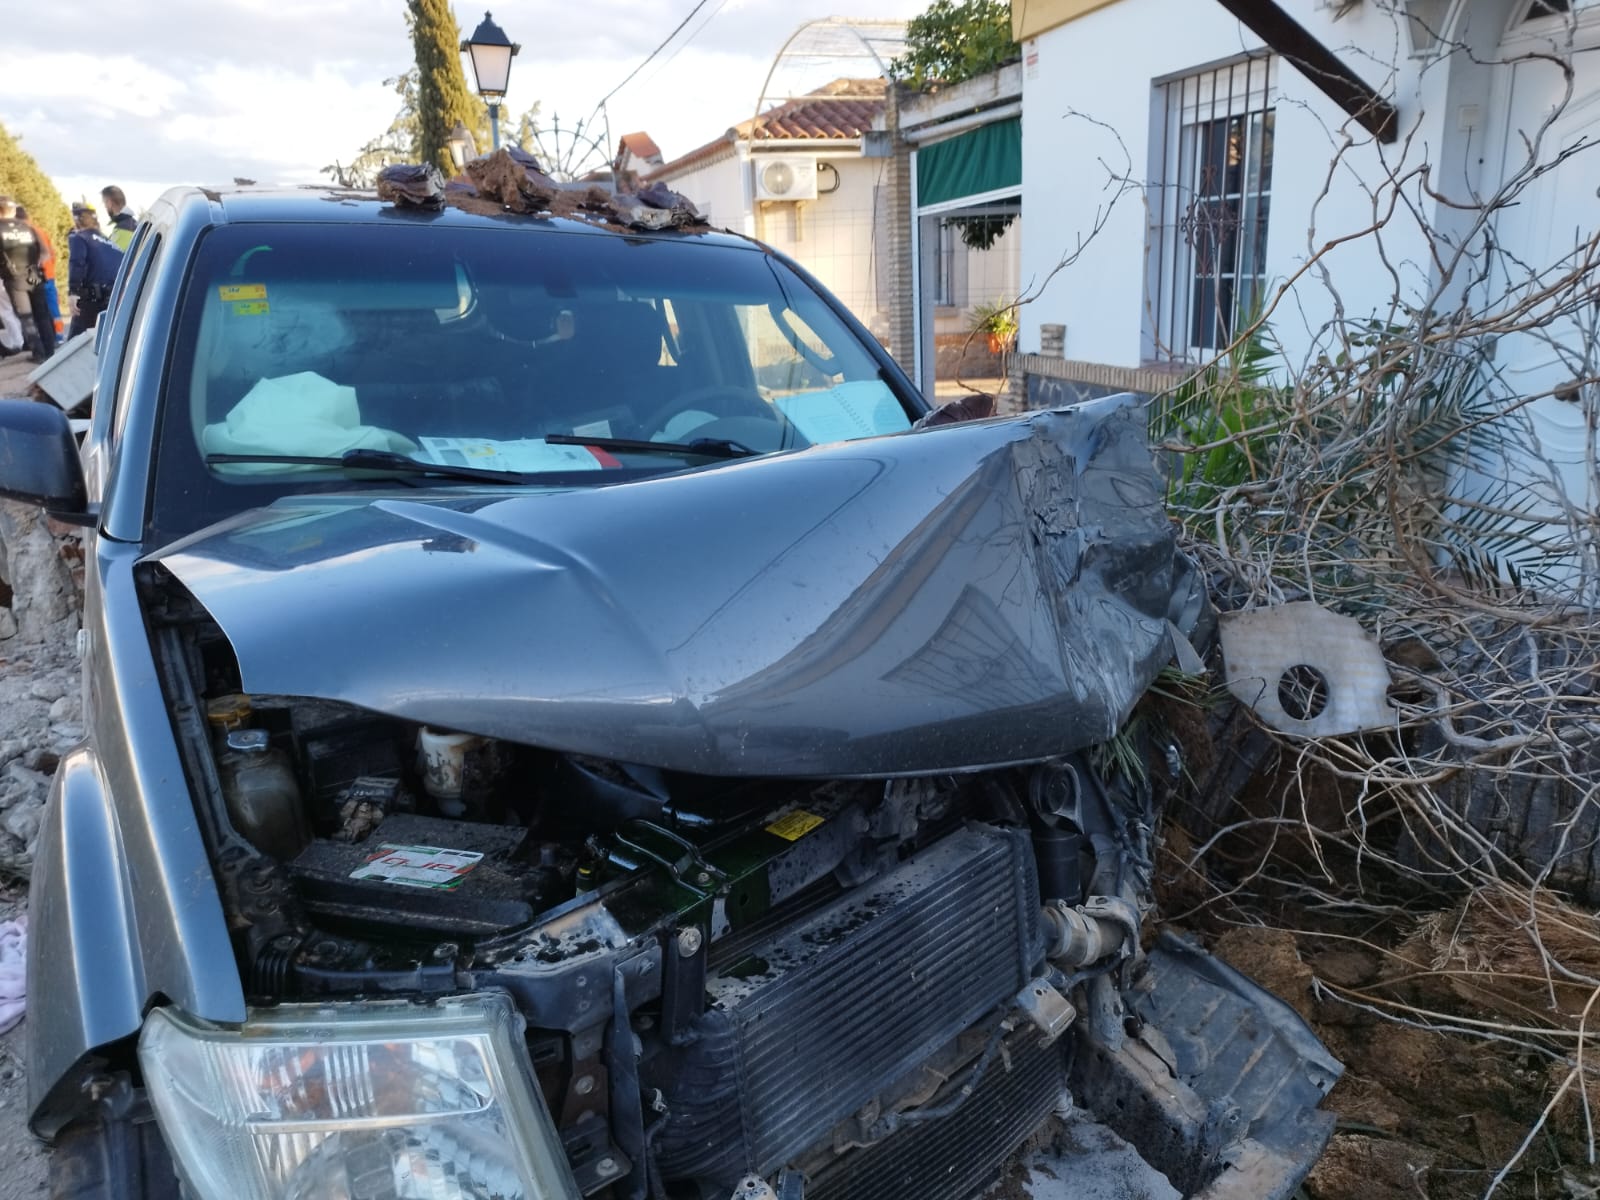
(978, 594)
(1306, 670)
(1221, 1085)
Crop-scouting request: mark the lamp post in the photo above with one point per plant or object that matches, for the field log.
(491, 52)
(461, 146)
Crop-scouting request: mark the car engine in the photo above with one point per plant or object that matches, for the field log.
(840, 982)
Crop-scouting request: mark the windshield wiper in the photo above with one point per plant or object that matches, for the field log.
(706, 447)
(376, 460)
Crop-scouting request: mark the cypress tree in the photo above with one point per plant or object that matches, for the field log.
(24, 182)
(443, 97)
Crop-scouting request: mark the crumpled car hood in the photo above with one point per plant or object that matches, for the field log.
(957, 598)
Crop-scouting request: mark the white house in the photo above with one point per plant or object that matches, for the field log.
(821, 178)
(795, 177)
(1195, 156)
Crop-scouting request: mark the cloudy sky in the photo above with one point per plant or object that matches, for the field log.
(149, 93)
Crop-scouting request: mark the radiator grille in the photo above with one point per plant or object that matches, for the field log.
(951, 1157)
(856, 995)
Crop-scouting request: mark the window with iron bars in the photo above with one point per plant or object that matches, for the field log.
(1209, 207)
(945, 291)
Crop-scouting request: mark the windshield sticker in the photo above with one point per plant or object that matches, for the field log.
(865, 408)
(418, 866)
(528, 456)
(231, 292)
(250, 308)
(793, 826)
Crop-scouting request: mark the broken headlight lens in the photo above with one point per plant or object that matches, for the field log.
(355, 1101)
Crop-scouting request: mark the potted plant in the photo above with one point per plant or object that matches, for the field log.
(997, 321)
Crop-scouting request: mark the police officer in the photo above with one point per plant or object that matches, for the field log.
(122, 222)
(93, 260)
(23, 276)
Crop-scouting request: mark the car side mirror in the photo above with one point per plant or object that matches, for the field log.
(39, 461)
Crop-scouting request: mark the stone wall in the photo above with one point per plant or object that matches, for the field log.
(41, 566)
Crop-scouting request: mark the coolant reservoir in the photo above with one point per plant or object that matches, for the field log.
(444, 760)
(225, 713)
(262, 793)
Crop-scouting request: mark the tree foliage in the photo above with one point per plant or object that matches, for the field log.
(443, 97)
(21, 179)
(955, 40)
(403, 141)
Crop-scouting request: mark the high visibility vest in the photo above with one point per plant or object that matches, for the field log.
(47, 252)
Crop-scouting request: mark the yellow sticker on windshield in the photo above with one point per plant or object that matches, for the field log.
(242, 291)
(795, 825)
(250, 308)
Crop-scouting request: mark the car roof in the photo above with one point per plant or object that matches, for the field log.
(316, 204)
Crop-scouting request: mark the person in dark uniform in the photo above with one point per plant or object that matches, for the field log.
(93, 260)
(22, 273)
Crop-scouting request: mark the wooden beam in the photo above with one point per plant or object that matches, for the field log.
(1267, 20)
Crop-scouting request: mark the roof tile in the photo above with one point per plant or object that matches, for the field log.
(843, 110)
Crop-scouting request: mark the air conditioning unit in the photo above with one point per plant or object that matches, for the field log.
(786, 177)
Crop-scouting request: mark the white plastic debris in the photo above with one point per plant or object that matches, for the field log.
(1306, 670)
(13, 972)
(67, 376)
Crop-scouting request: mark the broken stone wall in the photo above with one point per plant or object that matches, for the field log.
(41, 573)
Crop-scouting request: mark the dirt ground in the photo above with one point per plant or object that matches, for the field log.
(23, 1158)
(1422, 1114)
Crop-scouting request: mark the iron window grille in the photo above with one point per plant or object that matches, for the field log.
(946, 293)
(1209, 207)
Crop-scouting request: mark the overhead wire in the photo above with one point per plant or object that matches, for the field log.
(647, 59)
(694, 33)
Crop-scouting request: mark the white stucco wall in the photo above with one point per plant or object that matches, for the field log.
(832, 236)
(1092, 110)
(716, 190)
(1092, 102)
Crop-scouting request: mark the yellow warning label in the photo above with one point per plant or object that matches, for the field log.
(250, 308)
(242, 291)
(795, 825)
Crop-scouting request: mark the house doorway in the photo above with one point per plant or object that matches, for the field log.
(967, 255)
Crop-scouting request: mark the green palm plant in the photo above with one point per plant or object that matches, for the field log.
(1355, 469)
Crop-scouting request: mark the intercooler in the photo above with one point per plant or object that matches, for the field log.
(810, 1024)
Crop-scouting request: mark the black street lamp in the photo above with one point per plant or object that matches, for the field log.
(491, 52)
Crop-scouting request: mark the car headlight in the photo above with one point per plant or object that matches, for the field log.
(382, 1100)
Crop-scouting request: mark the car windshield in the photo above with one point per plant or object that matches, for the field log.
(536, 352)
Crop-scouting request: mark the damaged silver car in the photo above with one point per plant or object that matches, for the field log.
(562, 723)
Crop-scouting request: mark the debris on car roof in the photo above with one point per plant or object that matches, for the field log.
(412, 185)
(512, 180)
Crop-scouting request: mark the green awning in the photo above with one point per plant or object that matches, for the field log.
(975, 163)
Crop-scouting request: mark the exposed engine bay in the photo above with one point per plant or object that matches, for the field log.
(794, 988)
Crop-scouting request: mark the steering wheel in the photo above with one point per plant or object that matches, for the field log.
(716, 400)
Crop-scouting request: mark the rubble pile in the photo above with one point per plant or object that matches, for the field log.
(511, 180)
(40, 696)
(1420, 890)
